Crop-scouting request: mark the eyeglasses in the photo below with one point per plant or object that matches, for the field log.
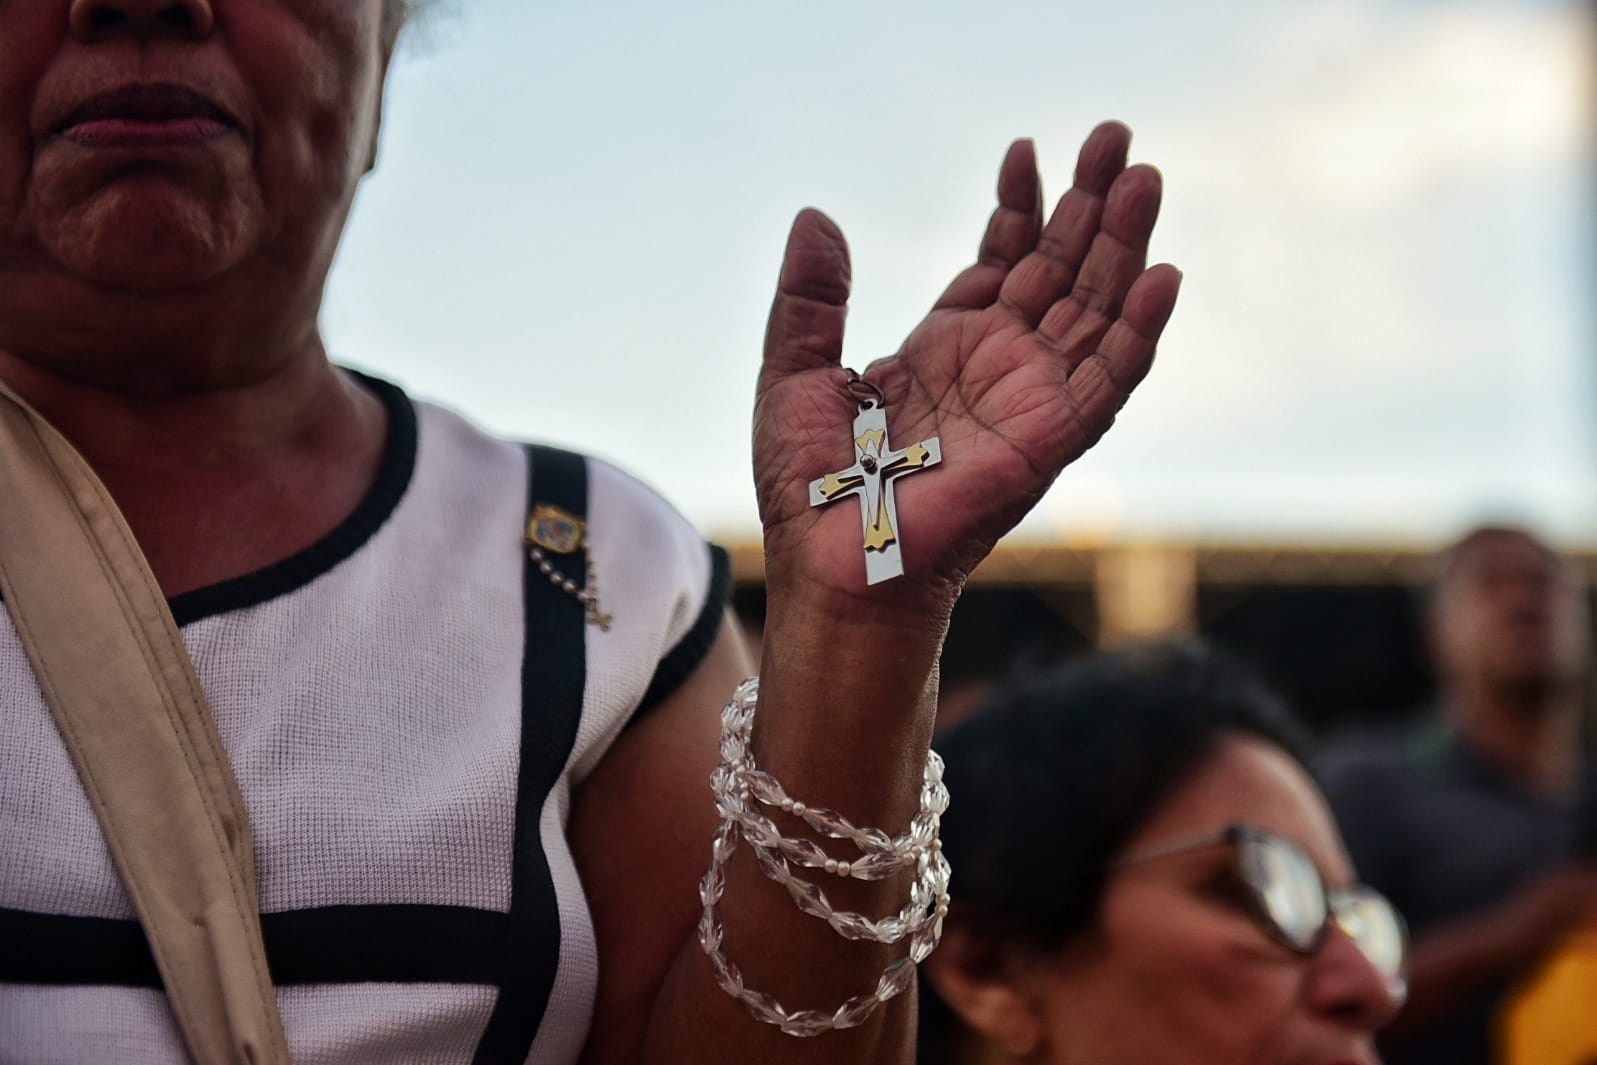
(1288, 897)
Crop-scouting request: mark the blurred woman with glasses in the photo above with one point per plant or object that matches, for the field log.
(1149, 875)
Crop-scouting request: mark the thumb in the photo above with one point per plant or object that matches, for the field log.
(805, 330)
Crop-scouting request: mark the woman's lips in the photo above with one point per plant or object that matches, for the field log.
(146, 116)
(145, 133)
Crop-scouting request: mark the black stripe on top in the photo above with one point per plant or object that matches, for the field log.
(553, 675)
(332, 944)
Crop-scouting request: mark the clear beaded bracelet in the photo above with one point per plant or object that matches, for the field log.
(737, 727)
(739, 786)
(771, 848)
(934, 800)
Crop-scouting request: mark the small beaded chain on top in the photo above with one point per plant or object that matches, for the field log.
(740, 790)
(553, 529)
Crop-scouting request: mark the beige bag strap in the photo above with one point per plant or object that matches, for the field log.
(119, 681)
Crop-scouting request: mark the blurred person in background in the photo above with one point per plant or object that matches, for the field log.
(1468, 821)
(1147, 874)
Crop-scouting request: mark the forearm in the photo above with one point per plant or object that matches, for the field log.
(845, 715)
(849, 678)
(847, 698)
(1450, 964)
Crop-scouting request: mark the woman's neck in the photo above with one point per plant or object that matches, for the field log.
(286, 455)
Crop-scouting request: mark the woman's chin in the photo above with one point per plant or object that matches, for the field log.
(148, 243)
(159, 275)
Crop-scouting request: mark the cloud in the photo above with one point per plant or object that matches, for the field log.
(1384, 219)
(1383, 210)
(1418, 95)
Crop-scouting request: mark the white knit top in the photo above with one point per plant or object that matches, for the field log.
(370, 692)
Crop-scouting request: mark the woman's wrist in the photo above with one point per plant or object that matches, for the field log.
(855, 641)
(803, 593)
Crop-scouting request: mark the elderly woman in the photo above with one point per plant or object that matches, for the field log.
(1149, 875)
(473, 722)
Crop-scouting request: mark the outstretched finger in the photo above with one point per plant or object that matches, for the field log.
(1049, 271)
(1074, 325)
(1011, 232)
(1100, 385)
(805, 328)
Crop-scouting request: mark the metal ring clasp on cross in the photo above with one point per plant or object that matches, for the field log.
(866, 394)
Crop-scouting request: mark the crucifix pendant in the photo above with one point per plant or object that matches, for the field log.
(876, 467)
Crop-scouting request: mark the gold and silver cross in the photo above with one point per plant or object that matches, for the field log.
(876, 467)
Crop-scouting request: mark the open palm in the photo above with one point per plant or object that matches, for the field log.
(1020, 367)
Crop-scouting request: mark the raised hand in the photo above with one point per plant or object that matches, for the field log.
(1019, 368)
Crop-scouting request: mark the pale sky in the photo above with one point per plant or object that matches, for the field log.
(1384, 211)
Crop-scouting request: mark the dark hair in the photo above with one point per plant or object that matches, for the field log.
(1056, 773)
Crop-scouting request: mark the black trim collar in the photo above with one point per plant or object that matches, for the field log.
(680, 662)
(394, 474)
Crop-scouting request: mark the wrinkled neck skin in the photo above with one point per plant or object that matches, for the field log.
(218, 424)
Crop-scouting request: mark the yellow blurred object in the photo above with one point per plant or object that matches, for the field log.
(1551, 1019)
